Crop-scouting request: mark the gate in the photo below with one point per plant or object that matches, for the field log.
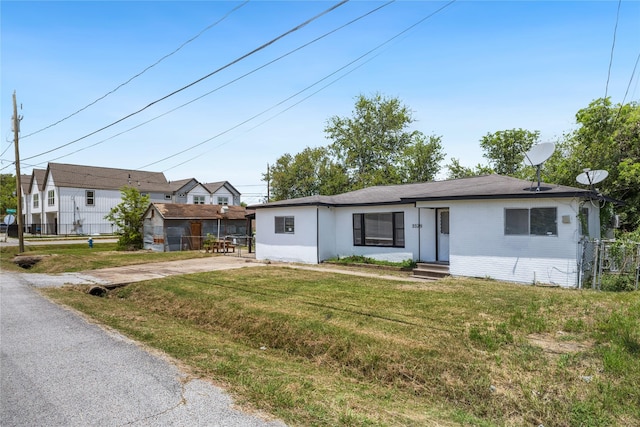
(612, 264)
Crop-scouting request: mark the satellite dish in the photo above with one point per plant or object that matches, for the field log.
(589, 177)
(539, 153)
(536, 156)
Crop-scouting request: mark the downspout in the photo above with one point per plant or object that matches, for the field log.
(317, 235)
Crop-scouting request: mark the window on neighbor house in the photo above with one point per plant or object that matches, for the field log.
(284, 224)
(51, 197)
(90, 198)
(36, 200)
(198, 200)
(534, 222)
(223, 200)
(379, 229)
(167, 196)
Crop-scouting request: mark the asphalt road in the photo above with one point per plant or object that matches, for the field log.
(56, 369)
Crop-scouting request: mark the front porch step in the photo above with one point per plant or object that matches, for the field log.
(431, 270)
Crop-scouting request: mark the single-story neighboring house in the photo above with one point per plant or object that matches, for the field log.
(487, 226)
(173, 227)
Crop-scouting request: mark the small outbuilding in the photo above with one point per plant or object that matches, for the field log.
(174, 227)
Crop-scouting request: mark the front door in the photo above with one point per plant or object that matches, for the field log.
(442, 235)
(196, 236)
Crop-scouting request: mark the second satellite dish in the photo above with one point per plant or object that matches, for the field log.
(589, 177)
(539, 153)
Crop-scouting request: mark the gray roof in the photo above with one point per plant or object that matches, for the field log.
(212, 187)
(472, 188)
(99, 178)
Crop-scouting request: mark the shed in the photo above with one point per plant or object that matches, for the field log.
(173, 227)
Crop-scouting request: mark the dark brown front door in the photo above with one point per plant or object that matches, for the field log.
(196, 236)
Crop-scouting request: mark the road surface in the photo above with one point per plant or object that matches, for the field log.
(59, 370)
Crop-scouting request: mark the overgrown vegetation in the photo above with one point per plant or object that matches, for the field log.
(326, 349)
(127, 217)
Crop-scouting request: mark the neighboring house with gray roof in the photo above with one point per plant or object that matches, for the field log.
(487, 226)
(223, 193)
(74, 199)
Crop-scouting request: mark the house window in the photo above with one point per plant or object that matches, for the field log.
(198, 200)
(90, 197)
(36, 200)
(284, 224)
(584, 221)
(167, 196)
(51, 197)
(379, 229)
(223, 200)
(534, 222)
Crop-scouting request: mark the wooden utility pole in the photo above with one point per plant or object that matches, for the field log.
(268, 184)
(16, 130)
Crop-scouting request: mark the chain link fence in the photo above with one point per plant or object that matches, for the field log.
(609, 265)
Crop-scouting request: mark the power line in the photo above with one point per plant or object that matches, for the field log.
(615, 30)
(263, 46)
(228, 83)
(297, 93)
(141, 72)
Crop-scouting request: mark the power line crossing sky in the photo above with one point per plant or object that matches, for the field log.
(472, 68)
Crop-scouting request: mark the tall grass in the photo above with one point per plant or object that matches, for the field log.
(326, 349)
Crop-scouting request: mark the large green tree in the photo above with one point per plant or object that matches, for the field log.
(457, 171)
(8, 198)
(373, 143)
(505, 150)
(373, 147)
(308, 173)
(607, 137)
(421, 160)
(127, 217)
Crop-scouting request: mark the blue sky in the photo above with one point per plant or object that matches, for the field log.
(473, 68)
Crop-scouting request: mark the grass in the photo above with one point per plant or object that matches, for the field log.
(324, 349)
(78, 257)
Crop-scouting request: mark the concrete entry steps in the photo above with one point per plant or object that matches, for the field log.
(431, 270)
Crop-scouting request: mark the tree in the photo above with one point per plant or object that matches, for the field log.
(371, 146)
(422, 159)
(8, 199)
(456, 170)
(505, 150)
(607, 137)
(308, 173)
(127, 217)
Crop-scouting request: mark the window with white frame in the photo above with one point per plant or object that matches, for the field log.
(167, 196)
(36, 200)
(534, 221)
(284, 225)
(51, 197)
(378, 229)
(198, 200)
(90, 198)
(223, 200)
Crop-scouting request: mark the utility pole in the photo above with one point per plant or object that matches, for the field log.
(16, 130)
